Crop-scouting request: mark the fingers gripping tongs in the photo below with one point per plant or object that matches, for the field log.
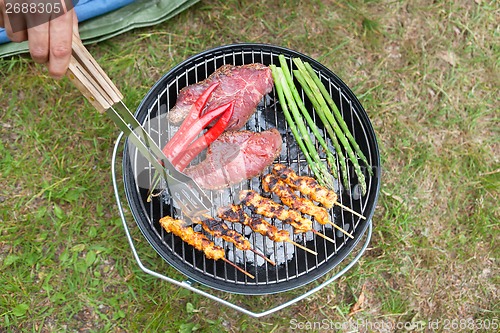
(100, 91)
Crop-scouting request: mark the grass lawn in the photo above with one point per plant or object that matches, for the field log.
(427, 73)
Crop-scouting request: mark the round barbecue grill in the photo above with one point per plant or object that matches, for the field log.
(294, 267)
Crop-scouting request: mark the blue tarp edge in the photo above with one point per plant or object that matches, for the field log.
(85, 10)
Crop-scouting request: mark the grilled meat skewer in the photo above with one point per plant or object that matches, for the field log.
(310, 187)
(268, 208)
(236, 214)
(271, 183)
(220, 229)
(306, 185)
(197, 240)
(271, 209)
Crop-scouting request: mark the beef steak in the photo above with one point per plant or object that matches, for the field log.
(245, 85)
(236, 156)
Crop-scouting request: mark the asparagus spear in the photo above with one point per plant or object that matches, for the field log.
(302, 138)
(314, 128)
(322, 108)
(328, 127)
(337, 114)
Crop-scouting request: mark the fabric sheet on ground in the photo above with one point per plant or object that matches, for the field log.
(103, 19)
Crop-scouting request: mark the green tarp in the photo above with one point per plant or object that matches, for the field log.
(141, 13)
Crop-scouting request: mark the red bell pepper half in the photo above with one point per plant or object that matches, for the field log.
(192, 117)
(182, 160)
(181, 149)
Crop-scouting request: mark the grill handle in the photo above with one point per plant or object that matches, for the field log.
(90, 78)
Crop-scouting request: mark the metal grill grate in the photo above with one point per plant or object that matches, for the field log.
(295, 267)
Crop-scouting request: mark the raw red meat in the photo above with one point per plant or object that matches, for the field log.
(236, 156)
(245, 84)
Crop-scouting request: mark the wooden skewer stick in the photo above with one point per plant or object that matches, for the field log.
(239, 268)
(303, 248)
(323, 236)
(263, 257)
(341, 230)
(349, 210)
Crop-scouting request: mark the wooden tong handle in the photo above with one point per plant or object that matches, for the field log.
(90, 78)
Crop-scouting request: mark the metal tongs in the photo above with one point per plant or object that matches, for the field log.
(95, 85)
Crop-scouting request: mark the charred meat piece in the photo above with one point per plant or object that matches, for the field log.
(273, 184)
(305, 185)
(245, 85)
(268, 208)
(236, 156)
(197, 240)
(308, 186)
(220, 229)
(236, 214)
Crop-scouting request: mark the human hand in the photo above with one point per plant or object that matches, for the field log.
(49, 33)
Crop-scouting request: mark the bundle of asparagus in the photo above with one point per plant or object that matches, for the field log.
(330, 116)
